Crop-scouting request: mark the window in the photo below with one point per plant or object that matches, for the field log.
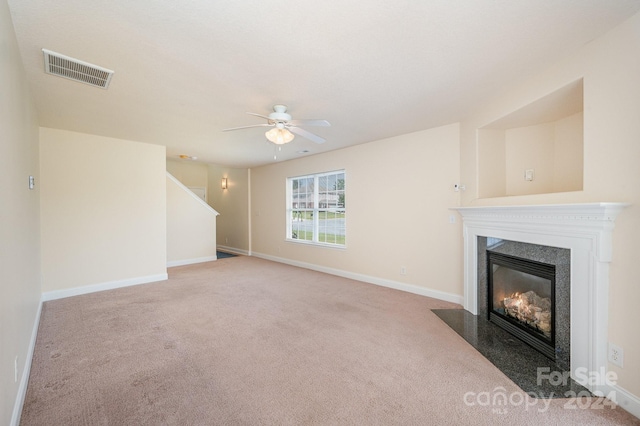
(316, 209)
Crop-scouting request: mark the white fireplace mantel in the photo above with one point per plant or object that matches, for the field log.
(586, 230)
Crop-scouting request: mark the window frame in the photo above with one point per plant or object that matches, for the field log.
(315, 209)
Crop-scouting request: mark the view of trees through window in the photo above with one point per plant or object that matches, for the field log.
(316, 209)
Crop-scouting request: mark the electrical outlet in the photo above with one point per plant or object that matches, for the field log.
(616, 355)
(403, 270)
(15, 370)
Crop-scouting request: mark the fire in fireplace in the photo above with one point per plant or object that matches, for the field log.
(522, 299)
(530, 309)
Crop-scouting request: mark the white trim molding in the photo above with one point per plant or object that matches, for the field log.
(234, 250)
(586, 230)
(409, 288)
(183, 262)
(76, 291)
(26, 371)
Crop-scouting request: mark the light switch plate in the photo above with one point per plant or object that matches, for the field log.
(528, 174)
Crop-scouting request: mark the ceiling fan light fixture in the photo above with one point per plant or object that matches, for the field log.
(279, 136)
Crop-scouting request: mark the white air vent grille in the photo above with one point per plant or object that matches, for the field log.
(73, 69)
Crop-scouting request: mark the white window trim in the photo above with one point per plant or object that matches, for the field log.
(289, 209)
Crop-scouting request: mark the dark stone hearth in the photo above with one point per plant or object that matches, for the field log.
(513, 357)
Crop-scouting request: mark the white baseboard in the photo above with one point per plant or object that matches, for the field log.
(409, 288)
(234, 250)
(76, 291)
(191, 261)
(26, 371)
(625, 399)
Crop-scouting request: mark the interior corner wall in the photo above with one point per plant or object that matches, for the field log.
(20, 225)
(103, 206)
(610, 68)
(188, 172)
(232, 204)
(398, 195)
(191, 226)
(491, 154)
(569, 154)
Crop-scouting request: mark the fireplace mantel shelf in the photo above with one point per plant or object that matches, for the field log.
(585, 229)
(595, 220)
(582, 212)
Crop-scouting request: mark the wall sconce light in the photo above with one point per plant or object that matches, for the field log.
(224, 183)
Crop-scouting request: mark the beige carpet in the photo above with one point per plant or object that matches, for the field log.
(245, 341)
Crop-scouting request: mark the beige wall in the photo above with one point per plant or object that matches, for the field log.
(189, 173)
(568, 154)
(19, 218)
(191, 226)
(233, 206)
(553, 150)
(398, 194)
(492, 176)
(103, 205)
(610, 66)
(530, 147)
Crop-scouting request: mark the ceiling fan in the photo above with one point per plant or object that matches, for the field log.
(284, 126)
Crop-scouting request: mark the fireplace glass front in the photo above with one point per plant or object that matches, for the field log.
(521, 299)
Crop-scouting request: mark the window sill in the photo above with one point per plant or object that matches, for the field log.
(315, 244)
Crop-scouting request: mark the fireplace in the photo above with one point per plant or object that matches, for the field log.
(525, 289)
(521, 299)
(586, 231)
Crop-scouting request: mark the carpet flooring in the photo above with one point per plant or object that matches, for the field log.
(247, 341)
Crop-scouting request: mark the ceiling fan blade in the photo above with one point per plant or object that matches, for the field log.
(247, 127)
(305, 134)
(319, 123)
(259, 115)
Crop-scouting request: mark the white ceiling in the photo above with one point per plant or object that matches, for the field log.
(186, 69)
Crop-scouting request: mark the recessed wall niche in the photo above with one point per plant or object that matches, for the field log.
(537, 149)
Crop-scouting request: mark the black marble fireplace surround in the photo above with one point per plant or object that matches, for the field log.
(519, 361)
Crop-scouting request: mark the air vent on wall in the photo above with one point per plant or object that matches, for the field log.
(74, 69)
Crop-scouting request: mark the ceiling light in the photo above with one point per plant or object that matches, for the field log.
(279, 136)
